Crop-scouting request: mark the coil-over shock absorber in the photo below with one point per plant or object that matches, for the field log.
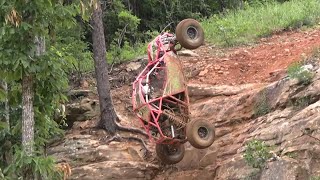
(177, 120)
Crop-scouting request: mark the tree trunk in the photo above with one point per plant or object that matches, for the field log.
(27, 114)
(222, 5)
(6, 147)
(28, 110)
(4, 86)
(108, 114)
(6, 105)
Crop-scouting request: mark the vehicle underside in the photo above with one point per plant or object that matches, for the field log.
(160, 96)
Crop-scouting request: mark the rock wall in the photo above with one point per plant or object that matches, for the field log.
(284, 114)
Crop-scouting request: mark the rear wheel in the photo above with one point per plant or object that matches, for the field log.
(190, 34)
(170, 154)
(200, 133)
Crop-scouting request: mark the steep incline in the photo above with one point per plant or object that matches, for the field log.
(226, 87)
(229, 86)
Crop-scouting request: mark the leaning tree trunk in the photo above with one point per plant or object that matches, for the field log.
(108, 114)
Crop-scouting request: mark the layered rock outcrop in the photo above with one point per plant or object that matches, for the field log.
(284, 114)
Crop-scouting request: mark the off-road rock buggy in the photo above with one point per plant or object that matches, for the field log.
(160, 97)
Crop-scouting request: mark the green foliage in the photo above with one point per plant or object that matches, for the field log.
(126, 52)
(129, 21)
(292, 155)
(71, 48)
(156, 14)
(315, 178)
(126, 19)
(1, 174)
(296, 71)
(3, 126)
(261, 106)
(124, 45)
(127, 30)
(256, 154)
(36, 165)
(253, 21)
(301, 102)
(25, 20)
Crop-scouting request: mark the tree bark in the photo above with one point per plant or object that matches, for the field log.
(6, 105)
(222, 5)
(27, 114)
(108, 114)
(28, 110)
(27, 103)
(4, 86)
(6, 147)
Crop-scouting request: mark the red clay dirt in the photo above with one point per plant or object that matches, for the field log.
(263, 62)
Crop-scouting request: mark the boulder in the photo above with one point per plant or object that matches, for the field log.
(285, 169)
(83, 110)
(91, 159)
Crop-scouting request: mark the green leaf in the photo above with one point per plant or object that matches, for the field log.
(12, 31)
(2, 95)
(3, 31)
(25, 26)
(17, 74)
(25, 63)
(3, 125)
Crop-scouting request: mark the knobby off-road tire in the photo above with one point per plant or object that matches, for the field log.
(190, 34)
(170, 154)
(200, 133)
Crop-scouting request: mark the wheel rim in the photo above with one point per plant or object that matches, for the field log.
(203, 132)
(192, 32)
(172, 150)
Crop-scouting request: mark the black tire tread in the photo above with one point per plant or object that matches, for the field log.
(192, 134)
(169, 159)
(183, 38)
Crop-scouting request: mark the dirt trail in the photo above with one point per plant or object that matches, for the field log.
(265, 61)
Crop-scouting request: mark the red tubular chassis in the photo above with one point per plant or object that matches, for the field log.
(160, 93)
(160, 96)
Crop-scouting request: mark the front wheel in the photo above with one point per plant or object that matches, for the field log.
(200, 133)
(190, 34)
(170, 154)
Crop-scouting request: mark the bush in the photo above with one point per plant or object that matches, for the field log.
(301, 102)
(38, 166)
(297, 71)
(261, 106)
(246, 25)
(126, 52)
(256, 154)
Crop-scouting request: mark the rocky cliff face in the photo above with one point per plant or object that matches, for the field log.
(284, 114)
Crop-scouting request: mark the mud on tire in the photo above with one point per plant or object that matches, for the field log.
(190, 34)
(200, 133)
(170, 154)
